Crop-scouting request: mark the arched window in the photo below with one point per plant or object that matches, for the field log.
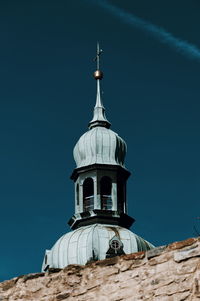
(77, 194)
(88, 194)
(106, 193)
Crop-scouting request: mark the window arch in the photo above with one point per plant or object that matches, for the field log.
(88, 194)
(106, 193)
(77, 194)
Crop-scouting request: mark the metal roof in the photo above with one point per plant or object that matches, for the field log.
(91, 242)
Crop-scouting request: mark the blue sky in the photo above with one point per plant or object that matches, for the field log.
(151, 95)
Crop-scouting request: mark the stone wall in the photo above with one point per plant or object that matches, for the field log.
(169, 273)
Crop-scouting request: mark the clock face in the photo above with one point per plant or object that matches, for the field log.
(115, 244)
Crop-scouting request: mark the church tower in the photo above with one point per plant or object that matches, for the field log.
(100, 223)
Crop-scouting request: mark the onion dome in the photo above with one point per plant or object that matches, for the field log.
(100, 146)
(93, 242)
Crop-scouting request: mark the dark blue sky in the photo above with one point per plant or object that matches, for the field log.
(47, 94)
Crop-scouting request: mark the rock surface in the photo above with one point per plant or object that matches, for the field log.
(169, 273)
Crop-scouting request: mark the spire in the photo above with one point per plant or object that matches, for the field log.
(99, 117)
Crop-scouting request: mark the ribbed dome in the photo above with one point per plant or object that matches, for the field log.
(101, 146)
(93, 241)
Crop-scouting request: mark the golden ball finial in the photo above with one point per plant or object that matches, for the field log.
(98, 74)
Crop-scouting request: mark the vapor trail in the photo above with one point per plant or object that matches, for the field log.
(189, 50)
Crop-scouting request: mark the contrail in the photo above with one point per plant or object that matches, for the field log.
(187, 49)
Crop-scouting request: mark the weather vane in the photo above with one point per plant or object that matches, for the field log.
(97, 57)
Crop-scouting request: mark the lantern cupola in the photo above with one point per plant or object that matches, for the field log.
(100, 175)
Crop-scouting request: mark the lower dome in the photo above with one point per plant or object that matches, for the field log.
(93, 242)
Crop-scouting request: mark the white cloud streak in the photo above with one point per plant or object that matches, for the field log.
(181, 46)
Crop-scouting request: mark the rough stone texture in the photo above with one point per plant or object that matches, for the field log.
(170, 273)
